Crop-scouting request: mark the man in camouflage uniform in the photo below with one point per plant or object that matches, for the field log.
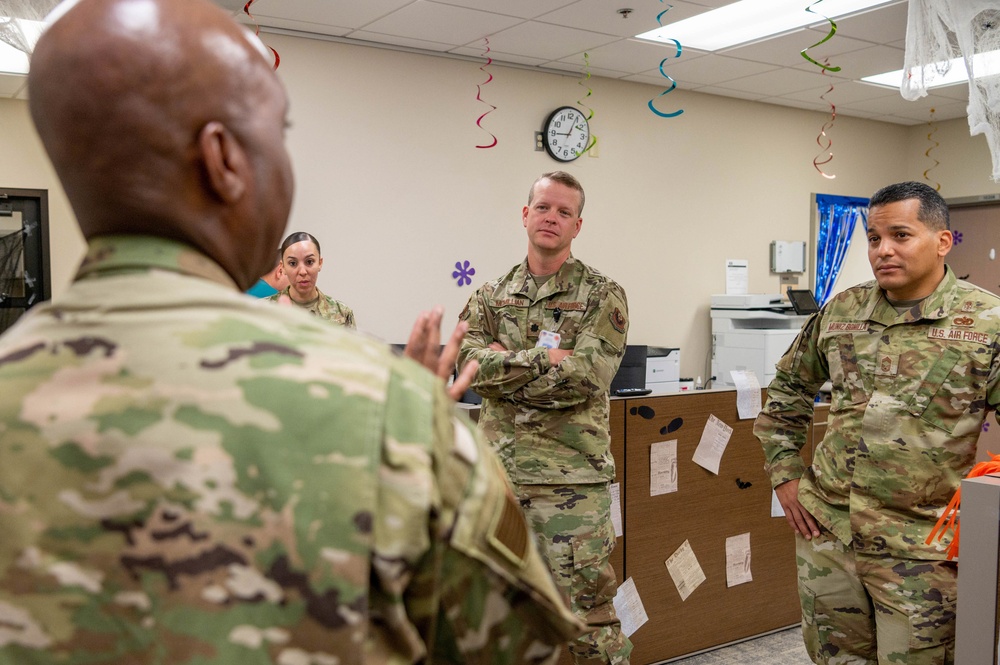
(188, 475)
(915, 366)
(545, 408)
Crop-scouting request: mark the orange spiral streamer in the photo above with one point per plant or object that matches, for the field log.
(817, 163)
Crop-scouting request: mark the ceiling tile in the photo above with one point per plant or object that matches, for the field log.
(478, 52)
(776, 83)
(303, 26)
(551, 42)
(602, 16)
(445, 24)
(726, 92)
(578, 69)
(858, 64)
(713, 69)
(367, 36)
(629, 56)
(345, 14)
(844, 92)
(878, 26)
(519, 8)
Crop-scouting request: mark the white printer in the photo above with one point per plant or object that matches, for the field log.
(751, 332)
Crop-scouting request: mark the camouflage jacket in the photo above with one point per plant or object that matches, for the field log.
(910, 394)
(549, 424)
(324, 307)
(189, 475)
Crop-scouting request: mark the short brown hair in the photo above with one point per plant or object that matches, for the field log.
(562, 178)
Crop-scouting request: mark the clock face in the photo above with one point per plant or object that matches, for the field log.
(567, 134)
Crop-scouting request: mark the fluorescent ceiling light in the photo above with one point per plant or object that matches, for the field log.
(941, 74)
(753, 20)
(12, 60)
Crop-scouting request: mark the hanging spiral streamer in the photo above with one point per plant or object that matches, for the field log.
(479, 95)
(931, 139)
(579, 102)
(825, 66)
(673, 83)
(822, 132)
(246, 10)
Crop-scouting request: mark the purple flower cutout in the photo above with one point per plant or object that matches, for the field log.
(463, 272)
(958, 237)
(986, 426)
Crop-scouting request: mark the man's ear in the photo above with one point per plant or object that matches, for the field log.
(225, 161)
(945, 242)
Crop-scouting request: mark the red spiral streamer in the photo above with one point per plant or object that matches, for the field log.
(246, 10)
(817, 163)
(479, 95)
(825, 65)
(590, 91)
(931, 139)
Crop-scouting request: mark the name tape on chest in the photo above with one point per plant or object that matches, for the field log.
(566, 306)
(958, 335)
(510, 302)
(847, 326)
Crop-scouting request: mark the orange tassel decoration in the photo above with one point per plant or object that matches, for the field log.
(949, 518)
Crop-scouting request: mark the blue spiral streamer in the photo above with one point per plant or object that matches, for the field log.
(673, 83)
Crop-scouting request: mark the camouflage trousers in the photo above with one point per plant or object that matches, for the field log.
(572, 524)
(858, 608)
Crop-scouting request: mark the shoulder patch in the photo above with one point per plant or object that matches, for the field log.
(618, 320)
(509, 531)
(464, 316)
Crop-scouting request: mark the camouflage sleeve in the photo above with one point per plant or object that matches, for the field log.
(494, 600)
(783, 423)
(597, 352)
(500, 373)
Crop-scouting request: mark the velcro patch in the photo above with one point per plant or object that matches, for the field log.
(510, 302)
(847, 326)
(958, 335)
(509, 531)
(887, 365)
(566, 306)
(618, 320)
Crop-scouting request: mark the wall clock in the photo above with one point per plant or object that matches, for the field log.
(566, 134)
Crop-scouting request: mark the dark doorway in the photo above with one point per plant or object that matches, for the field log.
(24, 252)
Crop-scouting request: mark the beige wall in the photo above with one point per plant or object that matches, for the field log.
(25, 166)
(390, 181)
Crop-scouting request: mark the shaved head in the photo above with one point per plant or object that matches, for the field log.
(163, 117)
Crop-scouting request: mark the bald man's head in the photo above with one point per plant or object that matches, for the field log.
(163, 117)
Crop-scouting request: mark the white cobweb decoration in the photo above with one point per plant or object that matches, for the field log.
(939, 31)
(21, 21)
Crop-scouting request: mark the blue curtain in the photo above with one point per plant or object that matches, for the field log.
(837, 218)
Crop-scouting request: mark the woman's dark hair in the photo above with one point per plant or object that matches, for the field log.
(293, 238)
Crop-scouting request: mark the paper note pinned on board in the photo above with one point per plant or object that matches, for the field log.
(747, 393)
(776, 508)
(714, 439)
(685, 570)
(663, 467)
(628, 606)
(616, 509)
(738, 560)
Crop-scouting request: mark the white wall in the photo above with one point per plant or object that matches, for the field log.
(390, 181)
